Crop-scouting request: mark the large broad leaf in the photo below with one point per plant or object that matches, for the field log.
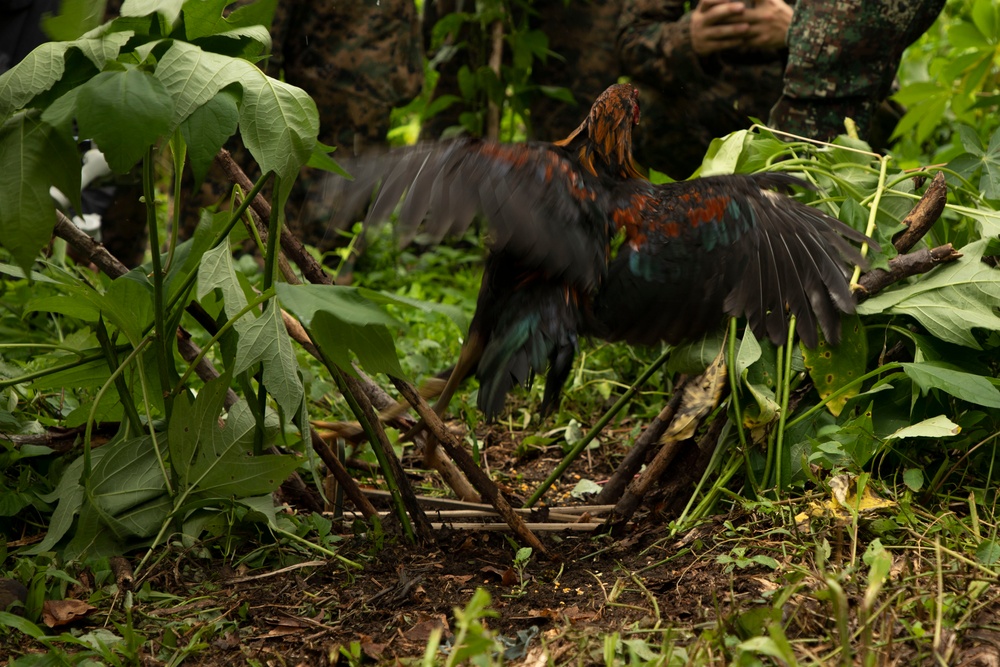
(168, 9)
(265, 340)
(340, 321)
(75, 18)
(935, 427)
(966, 386)
(978, 156)
(214, 461)
(262, 339)
(834, 367)
(950, 301)
(125, 112)
(278, 122)
(207, 129)
(128, 303)
(452, 312)
(124, 479)
(34, 156)
(45, 66)
(724, 154)
(204, 18)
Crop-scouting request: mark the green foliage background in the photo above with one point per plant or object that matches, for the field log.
(911, 397)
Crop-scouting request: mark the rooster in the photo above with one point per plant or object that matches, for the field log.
(692, 252)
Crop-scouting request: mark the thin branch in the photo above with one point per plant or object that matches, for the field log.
(923, 216)
(904, 266)
(311, 269)
(380, 440)
(636, 456)
(479, 479)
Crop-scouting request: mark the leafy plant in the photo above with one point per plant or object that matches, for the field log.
(174, 77)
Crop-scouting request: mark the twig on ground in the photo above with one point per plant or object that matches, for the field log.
(636, 456)
(487, 489)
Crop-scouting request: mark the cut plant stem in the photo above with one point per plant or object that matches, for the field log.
(403, 498)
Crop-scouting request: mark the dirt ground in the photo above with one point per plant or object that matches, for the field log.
(648, 585)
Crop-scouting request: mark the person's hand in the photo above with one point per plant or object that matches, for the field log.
(768, 22)
(717, 25)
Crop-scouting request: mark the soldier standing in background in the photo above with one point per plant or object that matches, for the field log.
(702, 73)
(842, 61)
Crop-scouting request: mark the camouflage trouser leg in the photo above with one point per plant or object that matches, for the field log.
(842, 59)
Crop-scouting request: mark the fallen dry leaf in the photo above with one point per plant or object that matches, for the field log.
(421, 631)
(56, 613)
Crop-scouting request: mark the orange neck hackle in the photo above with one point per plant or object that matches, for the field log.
(604, 138)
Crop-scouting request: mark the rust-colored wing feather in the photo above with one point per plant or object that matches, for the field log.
(725, 245)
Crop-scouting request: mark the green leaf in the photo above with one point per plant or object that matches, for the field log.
(70, 495)
(935, 427)
(125, 112)
(278, 122)
(17, 622)
(125, 478)
(191, 423)
(170, 10)
(914, 479)
(204, 17)
(832, 368)
(66, 304)
(216, 271)
(988, 552)
(320, 159)
(265, 340)
(984, 16)
(74, 19)
(748, 353)
(452, 312)
(950, 301)
(724, 154)
(33, 157)
(90, 374)
(966, 386)
(128, 304)
(207, 129)
(340, 320)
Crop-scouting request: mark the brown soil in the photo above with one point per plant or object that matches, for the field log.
(559, 611)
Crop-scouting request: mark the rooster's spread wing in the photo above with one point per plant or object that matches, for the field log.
(725, 245)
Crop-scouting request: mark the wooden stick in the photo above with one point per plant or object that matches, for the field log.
(923, 216)
(343, 477)
(487, 489)
(311, 269)
(636, 456)
(904, 266)
(503, 527)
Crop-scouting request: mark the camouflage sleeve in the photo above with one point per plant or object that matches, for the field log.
(842, 59)
(654, 44)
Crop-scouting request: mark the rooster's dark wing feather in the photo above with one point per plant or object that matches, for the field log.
(725, 245)
(542, 207)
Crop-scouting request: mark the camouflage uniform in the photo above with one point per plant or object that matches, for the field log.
(687, 100)
(842, 61)
(357, 59)
(581, 32)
